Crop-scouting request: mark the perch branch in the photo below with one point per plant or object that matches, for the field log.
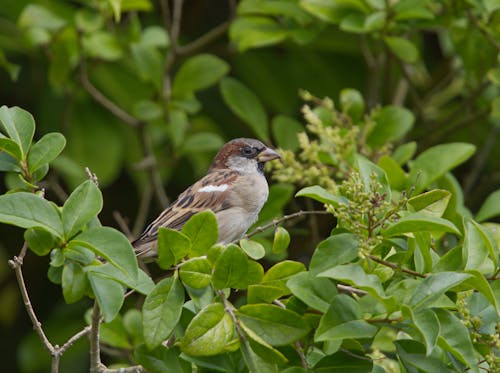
(276, 222)
(396, 267)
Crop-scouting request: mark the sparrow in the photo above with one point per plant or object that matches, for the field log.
(234, 188)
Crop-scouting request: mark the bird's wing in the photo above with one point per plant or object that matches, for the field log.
(209, 193)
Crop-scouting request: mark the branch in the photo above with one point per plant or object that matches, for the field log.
(350, 289)
(297, 345)
(73, 339)
(229, 308)
(205, 39)
(396, 267)
(16, 263)
(276, 222)
(493, 41)
(95, 356)
(106, 102)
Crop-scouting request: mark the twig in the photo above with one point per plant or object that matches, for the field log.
(396, 267)
(492, 39)
(16, 263)
(298, 346)
(95, 355)
(275, 222)
(122, 223)
(205, 39)
(73, 339)
(106, 102)
(132, 369)
(154, 173)
(92, 176)
(229, 308)
(350, 289)
(142, 212)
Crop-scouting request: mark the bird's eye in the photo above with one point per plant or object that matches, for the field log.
(248, 151)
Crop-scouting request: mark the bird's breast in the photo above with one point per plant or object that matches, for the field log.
(251, 194)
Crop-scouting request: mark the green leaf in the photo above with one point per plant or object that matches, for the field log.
(74, 282)
(266, 293)
(209, 332)
(281, 240)
(353, 274)
(112, 246)
(27, 210)
(254, 362)
(103, 45)
(34, 15)
(427, 324)
(419, 223)
(202, 230)
(275, 325)
(391, 124)
(132, 322)
(45, 150)
(147, 110)
(173, 246)
(283, 271)
(402, 48)
(285, 131)
(338, 249)
(432, 203)
(108, 293)
(437, 161)
(321, 195)
(404, 152)
(161, 360)
(261, 348)
(202, 142)
(486, 234)
(196, 273)
(246, 105)
(162, 311)
(253, 249)
(81, 206)
(395, 174)
(11, 147)
(342, 320)
(198, 72)
(490, 207)
(433, 286)
(325, 10)
(40, 240)
(142, 284)
(230, 269)
(411, 354)
(114, 333)
(316, 292)
(478, 282)
(253, 32)
(352, 103)
(342, 362)
(455, 338)
(474, 250)
(366, 170)
(19, 125)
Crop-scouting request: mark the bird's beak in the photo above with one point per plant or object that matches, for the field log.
(267, 155)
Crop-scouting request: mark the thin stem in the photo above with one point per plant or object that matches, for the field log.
(16, 264)
(492, 39)
(143, 210)
(276, 222)
(229, 308)
(73, 339)
(100, 98)
(350, 289)
(95, 355)
(205, 39)
(396, 267)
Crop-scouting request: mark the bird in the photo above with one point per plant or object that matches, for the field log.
(234, 188)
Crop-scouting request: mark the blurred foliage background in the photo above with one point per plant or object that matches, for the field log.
(146, 91)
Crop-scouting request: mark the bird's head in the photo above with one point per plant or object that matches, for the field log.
(243, 155)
